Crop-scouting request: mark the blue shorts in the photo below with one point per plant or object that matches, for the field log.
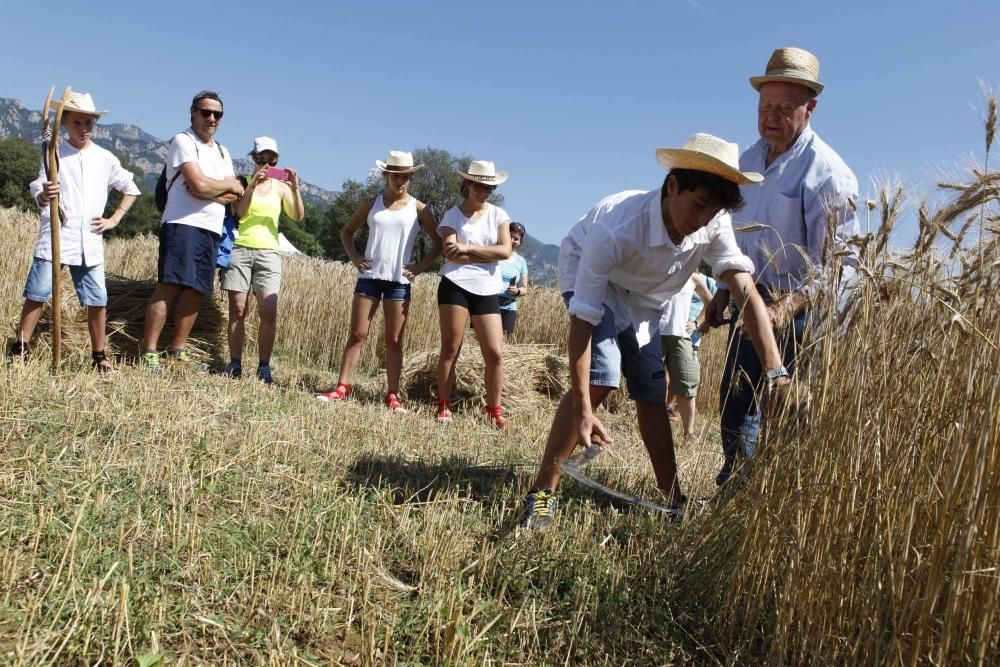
(187, 257)
(373, 288)
(88, 281)
(612, 354)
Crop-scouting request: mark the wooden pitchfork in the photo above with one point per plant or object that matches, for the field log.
(51, 148)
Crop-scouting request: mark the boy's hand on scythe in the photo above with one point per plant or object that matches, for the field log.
(49, 190)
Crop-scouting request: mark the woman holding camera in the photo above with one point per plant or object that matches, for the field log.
(256, 260)
(475, 237)
(385, 271)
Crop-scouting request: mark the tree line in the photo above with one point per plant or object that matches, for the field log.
(317, 234)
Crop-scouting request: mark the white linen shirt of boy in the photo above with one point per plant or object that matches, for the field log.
(620, 254)
(801, 190)
(480, 277)
(85, 178)
(677, 312)
(183, 208)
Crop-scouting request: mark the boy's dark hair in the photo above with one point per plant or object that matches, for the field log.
(206, 95)
(723, 192)
(517, 227)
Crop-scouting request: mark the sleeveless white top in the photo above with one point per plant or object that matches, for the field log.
(391, 235)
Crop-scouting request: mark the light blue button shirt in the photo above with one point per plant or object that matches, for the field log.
(801, 190)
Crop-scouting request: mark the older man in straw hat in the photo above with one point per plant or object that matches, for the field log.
(808, 192)
(618, 267)
(87, 172)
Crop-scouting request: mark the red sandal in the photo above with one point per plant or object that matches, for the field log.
(494, 414)
(394, 404)
(444, 411)
(340, 393)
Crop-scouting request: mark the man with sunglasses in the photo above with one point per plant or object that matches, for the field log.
(798, 218)
(202, 182)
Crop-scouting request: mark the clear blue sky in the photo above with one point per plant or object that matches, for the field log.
(571, 98)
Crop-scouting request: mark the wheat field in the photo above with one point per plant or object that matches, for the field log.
(199, 520)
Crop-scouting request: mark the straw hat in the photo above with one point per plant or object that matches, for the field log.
(791, 65)
(484, 171)
(261, 144)
(81, 103)
(398, 162)
(703, 152)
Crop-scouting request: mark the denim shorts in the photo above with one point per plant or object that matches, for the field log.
(88, 281)
(373, 288)
(613, 354)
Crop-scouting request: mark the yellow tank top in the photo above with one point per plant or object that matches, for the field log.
(259, 227)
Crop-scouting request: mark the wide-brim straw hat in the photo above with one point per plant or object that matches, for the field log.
(704, 152)
(398, 162)
(484, 171)
(81, 103)
(791, 65)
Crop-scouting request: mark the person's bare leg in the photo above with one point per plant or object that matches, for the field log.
(237, 327)
(31, 313)
(267, 310)
(489, 333)
(562, 438)
(686, 406)
(363, 309)
(156, 313)
(395, 313)
(97, 319)
(453, 319)
(659, 442)
(185, 316)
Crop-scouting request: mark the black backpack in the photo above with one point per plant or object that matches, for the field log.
(163, 188)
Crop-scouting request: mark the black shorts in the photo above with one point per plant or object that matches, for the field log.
(450, 294)
(187, 257)
(509, 319)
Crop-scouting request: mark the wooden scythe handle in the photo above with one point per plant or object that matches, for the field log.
(55, 224)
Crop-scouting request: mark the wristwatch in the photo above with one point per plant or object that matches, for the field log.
(775, 373)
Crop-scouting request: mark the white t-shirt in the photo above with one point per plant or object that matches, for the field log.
(182, 208)
(673, 321)
(482, 277)
(391, 235)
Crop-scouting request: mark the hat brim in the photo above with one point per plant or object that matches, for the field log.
(501, 177)
(55, 108)
(384, 168)
(680, 158)
(758, 81)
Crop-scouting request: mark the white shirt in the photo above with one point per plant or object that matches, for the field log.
(85, 178)
(677, 313)
(480, 277)
(391, 235)
(182, 208)
(620, 254)
(800, 190)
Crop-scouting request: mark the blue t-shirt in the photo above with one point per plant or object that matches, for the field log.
(512, 269)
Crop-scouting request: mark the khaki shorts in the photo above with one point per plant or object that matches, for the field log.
(682, 365)
(248, 267)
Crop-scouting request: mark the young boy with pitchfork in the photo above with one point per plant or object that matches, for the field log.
(87, 173)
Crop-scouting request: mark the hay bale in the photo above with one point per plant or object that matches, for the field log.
(533, 375)
(127, 299)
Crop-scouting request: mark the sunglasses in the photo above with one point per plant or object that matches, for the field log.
(205, 113)
(483, 187)
(261, 160)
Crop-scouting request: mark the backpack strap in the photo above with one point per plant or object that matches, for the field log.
(196, 154)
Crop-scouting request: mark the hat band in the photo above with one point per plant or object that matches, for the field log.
(791, 73)
(479, 177)
(397, 167)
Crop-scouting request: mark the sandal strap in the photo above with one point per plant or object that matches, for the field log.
(98, 357)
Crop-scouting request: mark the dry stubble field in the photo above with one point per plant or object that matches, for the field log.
(211, 521)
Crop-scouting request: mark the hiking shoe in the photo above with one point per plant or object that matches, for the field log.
(151, 362)
(182, 357)
(340, 393)
(19, 351)
(264, 373)
(540, 508)
(494, 415)
(444, 412)
(233, 369)
(394, 404)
